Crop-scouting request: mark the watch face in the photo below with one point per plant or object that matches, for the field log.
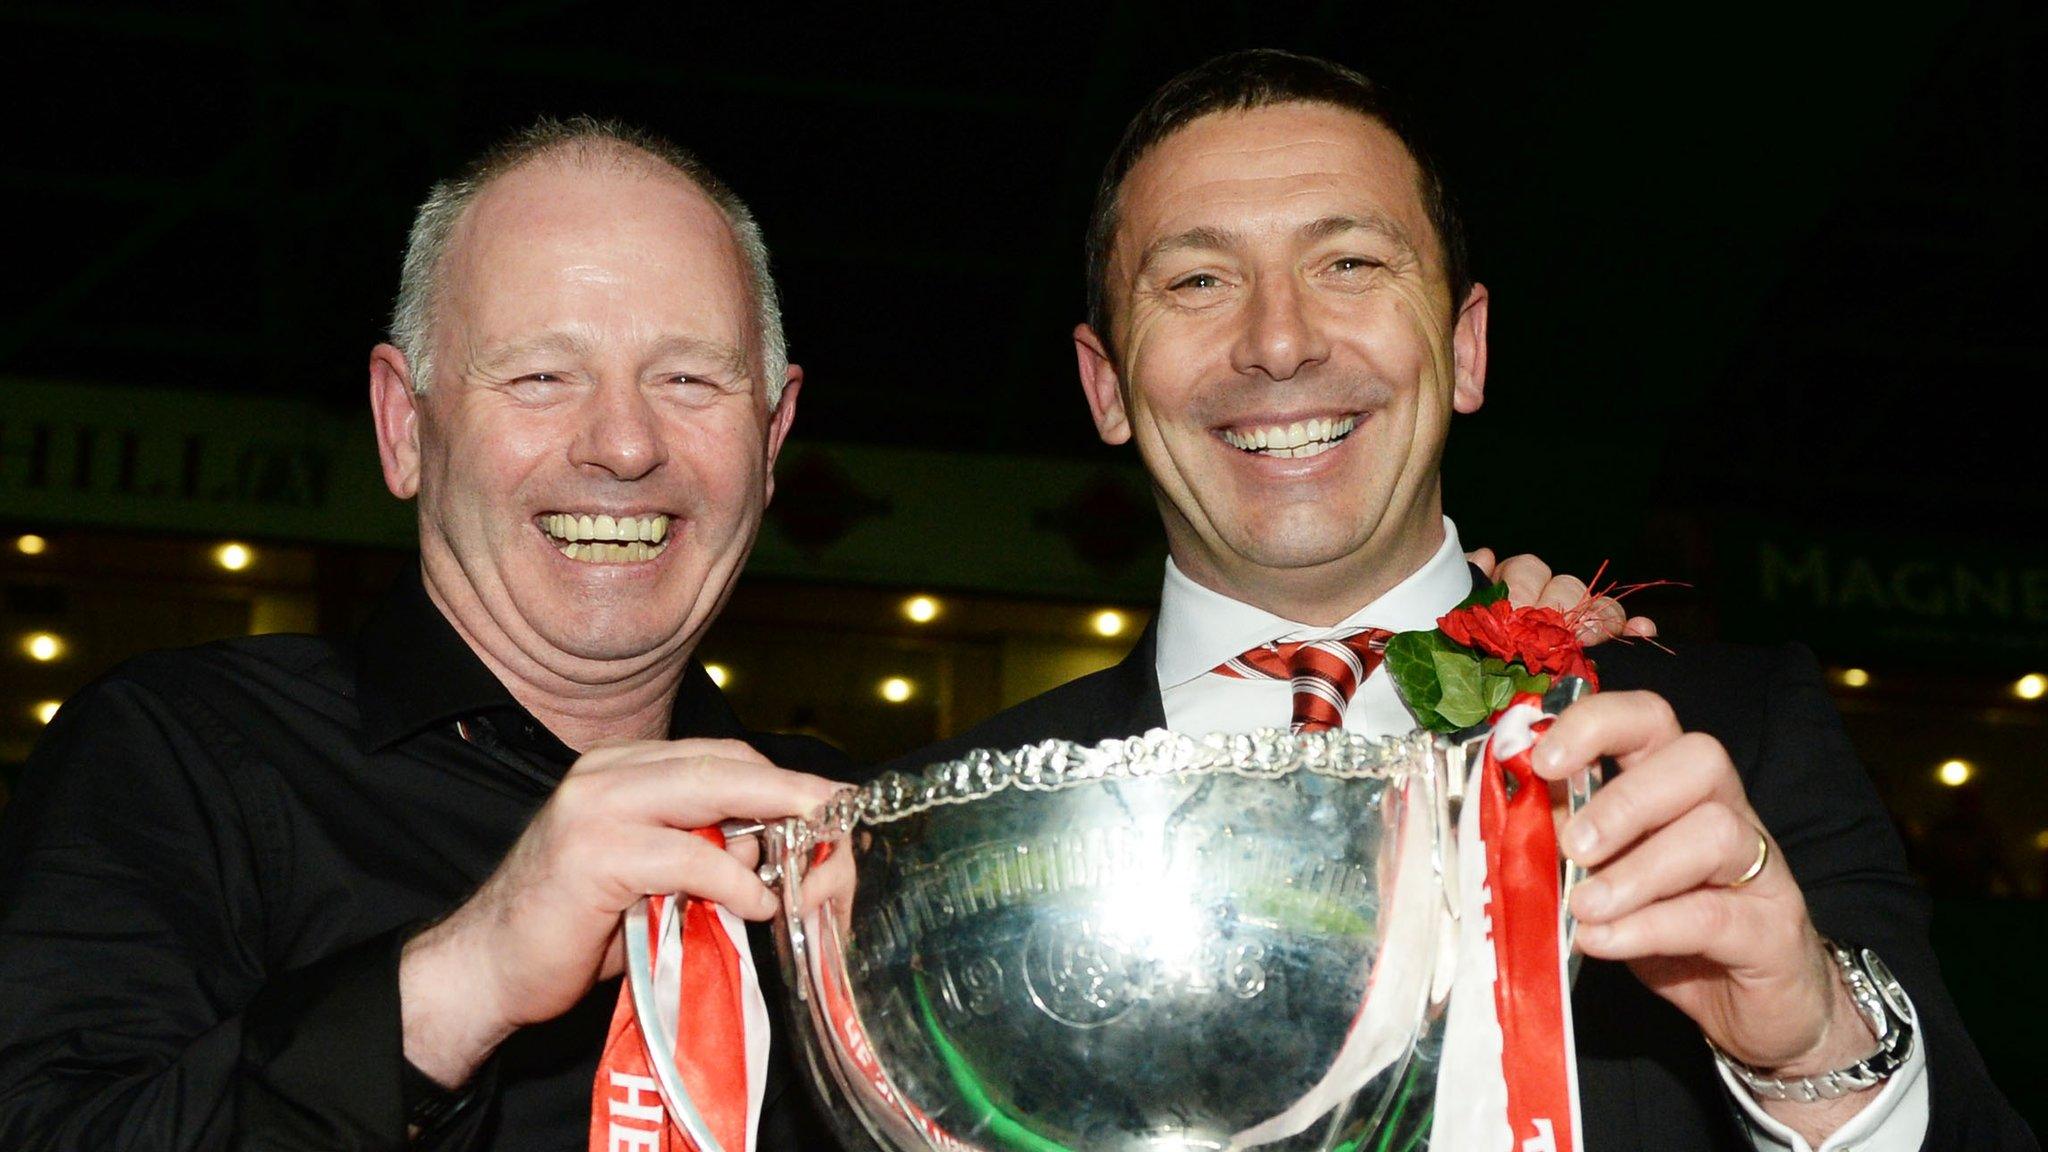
(1887, 984)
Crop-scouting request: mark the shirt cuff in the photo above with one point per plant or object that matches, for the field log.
(322, 1049)
(1894, 1120)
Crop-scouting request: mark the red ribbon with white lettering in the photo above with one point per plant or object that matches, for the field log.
(1509, 1070)
(701, 952)
(1531, 992)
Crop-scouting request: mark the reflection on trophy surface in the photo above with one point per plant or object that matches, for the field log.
(1162, 943)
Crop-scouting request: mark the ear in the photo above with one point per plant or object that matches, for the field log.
(1100, 383)
(1468, 350)
(394, 408)
(781, 418)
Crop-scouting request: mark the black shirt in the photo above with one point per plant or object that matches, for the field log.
(210, 866)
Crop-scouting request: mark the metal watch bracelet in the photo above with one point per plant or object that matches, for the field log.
(1885, 1008)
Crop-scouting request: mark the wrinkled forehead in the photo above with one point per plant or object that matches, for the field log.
(1273, 168)
(560, 231)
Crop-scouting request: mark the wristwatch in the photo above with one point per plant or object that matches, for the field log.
(1885, 1008)
(428, 1105)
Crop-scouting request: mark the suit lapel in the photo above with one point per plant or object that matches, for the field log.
(1479, 581)
(1133, 702)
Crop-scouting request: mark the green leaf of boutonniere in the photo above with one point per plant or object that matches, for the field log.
(1463, 699)
(1411, 661)
(1500, 688)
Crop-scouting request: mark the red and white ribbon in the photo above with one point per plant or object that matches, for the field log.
(708, 997)
(1509, 1082)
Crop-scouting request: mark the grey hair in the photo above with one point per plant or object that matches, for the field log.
(412, 314)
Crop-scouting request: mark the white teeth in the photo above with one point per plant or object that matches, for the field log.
(598, 552)
(1302, 438)
(568, 528)
(1316, 448)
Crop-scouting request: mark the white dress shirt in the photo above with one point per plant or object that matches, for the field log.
(1200, 628)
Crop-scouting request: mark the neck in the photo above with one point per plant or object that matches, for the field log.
(602, 703)
(582, 723)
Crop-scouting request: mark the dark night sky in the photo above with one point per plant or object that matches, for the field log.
(1738, 256)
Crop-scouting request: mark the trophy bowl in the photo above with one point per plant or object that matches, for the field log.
(1167, 943)
(1164, 943)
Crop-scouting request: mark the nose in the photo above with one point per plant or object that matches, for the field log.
(620, 432)
(1280, 337)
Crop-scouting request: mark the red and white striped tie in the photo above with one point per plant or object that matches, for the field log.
(1325, 673)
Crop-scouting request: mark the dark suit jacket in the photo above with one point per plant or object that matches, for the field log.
(1646, 1078)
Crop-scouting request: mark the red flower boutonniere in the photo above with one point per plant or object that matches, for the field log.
(1538, 639)
(1480, 655)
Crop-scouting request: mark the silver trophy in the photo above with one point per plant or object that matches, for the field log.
(1167, 943)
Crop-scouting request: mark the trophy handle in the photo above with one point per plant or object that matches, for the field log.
(804, 972)
(1454, 758)
(639, 928)
(1578, 790)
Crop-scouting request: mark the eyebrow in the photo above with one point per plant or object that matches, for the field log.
(1203, 239)
(725, 355)
(1210, 239)
(1373, 222)
(572, 344)
(564, 342)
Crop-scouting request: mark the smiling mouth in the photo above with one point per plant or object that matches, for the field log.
(598, 538)
(1291, 441)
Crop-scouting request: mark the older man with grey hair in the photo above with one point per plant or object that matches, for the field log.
(281, 893)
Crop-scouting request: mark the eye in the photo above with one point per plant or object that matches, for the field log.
(1354, 264)
(691, 381)
(1198, 280)
(537, 387)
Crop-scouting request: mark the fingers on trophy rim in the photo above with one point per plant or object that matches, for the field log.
(1627, 726)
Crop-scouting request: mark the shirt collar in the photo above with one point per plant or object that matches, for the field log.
(414, 672)
(1200, 628)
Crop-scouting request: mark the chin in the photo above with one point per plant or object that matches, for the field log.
(1304, 545)
(603, 649)
(593, 633)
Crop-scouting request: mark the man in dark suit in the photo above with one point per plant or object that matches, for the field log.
(1281, 319)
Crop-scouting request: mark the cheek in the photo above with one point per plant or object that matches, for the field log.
(490, 466)
(1165, 359)
(723, 456)
(1424, 322)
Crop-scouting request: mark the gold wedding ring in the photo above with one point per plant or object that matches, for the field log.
(1756, 866)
